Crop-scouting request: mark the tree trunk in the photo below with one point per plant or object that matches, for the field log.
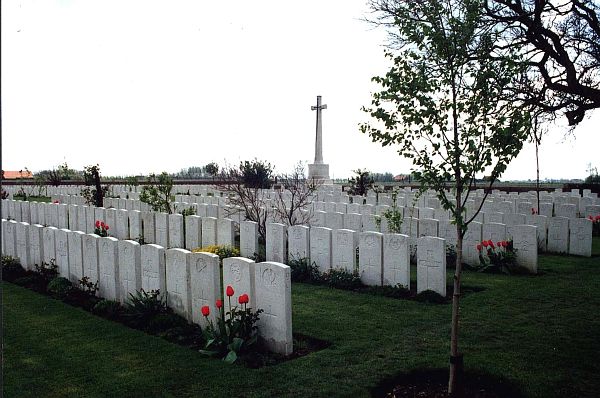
(456, 360)
(537, 164)
(99, 196)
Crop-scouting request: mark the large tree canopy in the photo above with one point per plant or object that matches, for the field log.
(558, 43)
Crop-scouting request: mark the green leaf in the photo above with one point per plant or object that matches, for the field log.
(231, 357)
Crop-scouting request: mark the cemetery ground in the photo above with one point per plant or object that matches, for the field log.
(530, 336)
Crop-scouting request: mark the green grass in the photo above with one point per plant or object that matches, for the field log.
(542, 333)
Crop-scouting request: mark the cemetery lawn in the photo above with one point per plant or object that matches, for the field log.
(540, 333)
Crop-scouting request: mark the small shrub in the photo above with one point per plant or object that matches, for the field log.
(342, 279)
(163, 322)
(143, 306)
(188, 212)
(88, 287)
(60, 287)
(11, 268)
(302, 270)
(46, 271)
(109, 309)
(223, 251)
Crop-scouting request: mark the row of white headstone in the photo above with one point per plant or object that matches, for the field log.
(187, 280)
(554, 234)
(383, 259)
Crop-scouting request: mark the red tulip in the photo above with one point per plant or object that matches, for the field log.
(102, 224)
(97, 223)
(229, 291)
(219, 303)
(598, 217)
(591, 218)
(478, 248)
(243, 299)
(485, 243)
(499, 244)
(106, 227)
(205, 310)
(491, 244)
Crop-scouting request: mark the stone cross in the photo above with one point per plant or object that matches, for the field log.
(319, 138)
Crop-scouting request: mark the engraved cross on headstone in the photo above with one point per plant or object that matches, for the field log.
(319, 138)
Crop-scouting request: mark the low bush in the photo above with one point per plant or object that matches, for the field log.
(60, 287)
(302, 270)
(144, 306)
(223, 251)
(341, 279)
(11, 268)
(109, 309)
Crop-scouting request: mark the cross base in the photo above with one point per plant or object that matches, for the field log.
(319, 172)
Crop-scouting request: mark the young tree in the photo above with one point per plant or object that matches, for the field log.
(157, 193)
(212, 169)
(291, 204)
(94, 192)
(441, 104)
(360, 183)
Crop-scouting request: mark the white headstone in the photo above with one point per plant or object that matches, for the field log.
(91, 257)
(205, 283)
(49, 244)
(344, 244)
(396, 260)
(353, 221)
(75, 243)
(209, 231)
(225, 232)
(431, 265)
(130, 268)
(320, 247)
(176, 234)
(193, 232)
(273, 295)
(298, 242)
(248, 238)
(108, 267)
(122, 224)
(22, 244)
(73, 225)
(494, 232)
(153, 268)
(541, 222)
(580, 237)
(470, 241)
(370, 263)
(179, 295)
(149, 226)
(276, 239)
(558, 234)
(566, 210)
(428, 227)
(61, 237)
(135, 224)
(36, 242)
(238, 272)
(525, 243)
(162, 229)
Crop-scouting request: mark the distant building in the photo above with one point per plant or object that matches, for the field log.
(14, 175)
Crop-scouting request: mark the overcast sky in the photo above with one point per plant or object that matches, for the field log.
(151, 86)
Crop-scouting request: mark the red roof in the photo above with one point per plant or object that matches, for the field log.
(10, 175)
